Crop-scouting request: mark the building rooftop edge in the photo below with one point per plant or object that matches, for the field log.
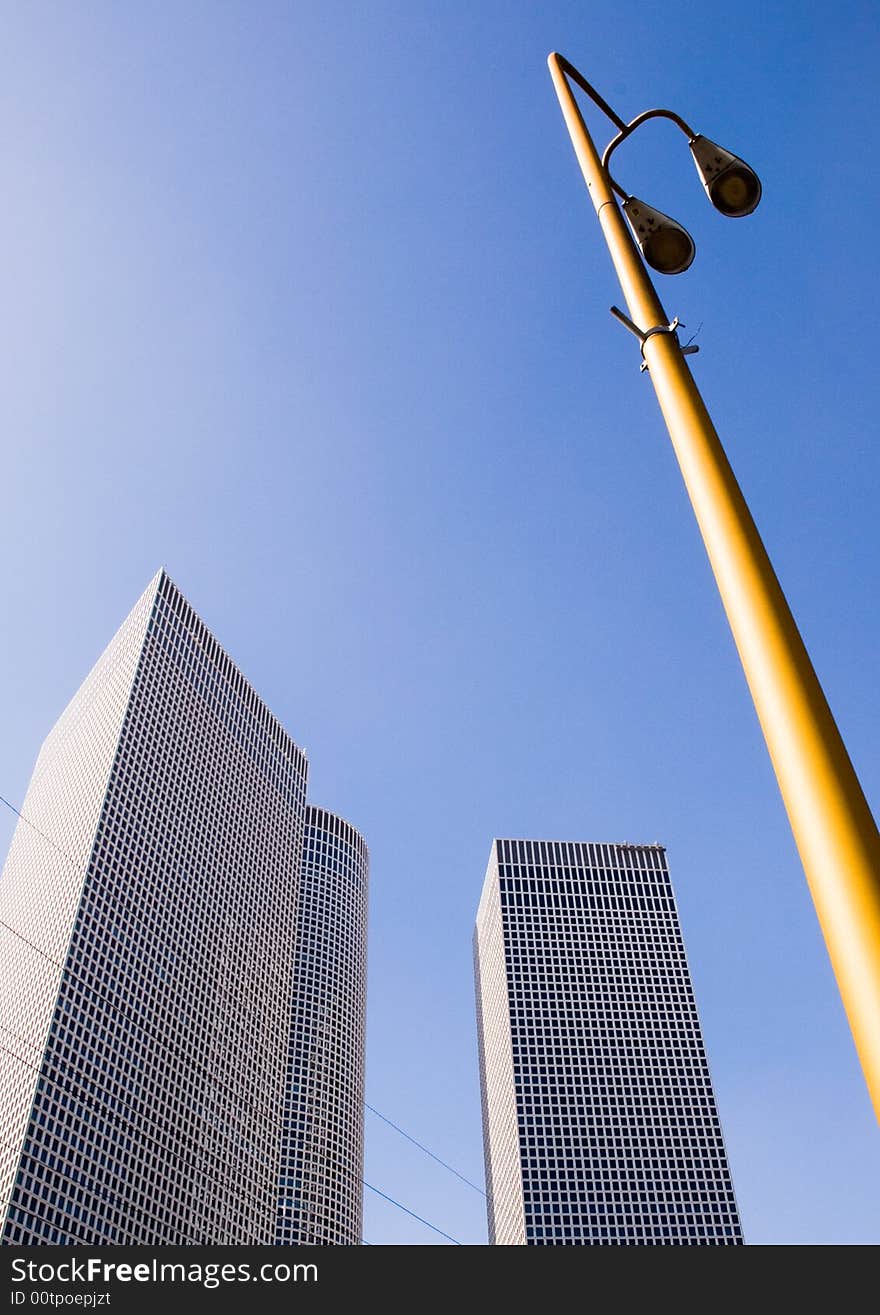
(164, 574)
(319, 808)
(558, 840)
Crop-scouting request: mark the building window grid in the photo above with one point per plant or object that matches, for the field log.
(618, 1132)
(76, 1140)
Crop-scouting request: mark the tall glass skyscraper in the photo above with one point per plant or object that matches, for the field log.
(149, 925)
(321, 1194)
(599, 1117)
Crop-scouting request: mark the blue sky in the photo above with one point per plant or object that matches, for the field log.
(308, 303)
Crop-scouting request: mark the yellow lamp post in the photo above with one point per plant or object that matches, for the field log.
(834, 830)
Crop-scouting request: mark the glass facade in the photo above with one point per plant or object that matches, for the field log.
(600, 1124)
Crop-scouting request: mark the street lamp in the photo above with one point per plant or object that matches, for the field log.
(731, 185)
(833, 828)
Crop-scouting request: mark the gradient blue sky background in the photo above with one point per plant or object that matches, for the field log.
(307, 302)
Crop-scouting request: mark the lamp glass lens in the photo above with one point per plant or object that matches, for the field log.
(736, 191)
(668, 250)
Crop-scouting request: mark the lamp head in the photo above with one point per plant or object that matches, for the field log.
(666, 246)
(731, 185)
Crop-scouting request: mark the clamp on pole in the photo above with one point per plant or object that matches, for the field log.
(644, 334)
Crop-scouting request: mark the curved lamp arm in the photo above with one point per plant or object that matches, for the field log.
(629, 128)
(624, 128)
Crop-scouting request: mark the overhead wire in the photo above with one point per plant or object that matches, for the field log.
(422, 1147)
(138, 1021)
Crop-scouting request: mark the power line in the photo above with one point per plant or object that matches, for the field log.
(268, 961)
(407, 1210)
(33, 826)
(118, 1009)
(165, 1151)
(81, 1097)
(51, 1082)
(397, 1128)
(78, 1182)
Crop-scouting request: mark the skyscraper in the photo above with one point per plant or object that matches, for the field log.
(599, 1118)
(321, 1192)
(149, 929)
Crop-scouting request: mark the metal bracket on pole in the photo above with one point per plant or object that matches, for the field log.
(644, 334)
